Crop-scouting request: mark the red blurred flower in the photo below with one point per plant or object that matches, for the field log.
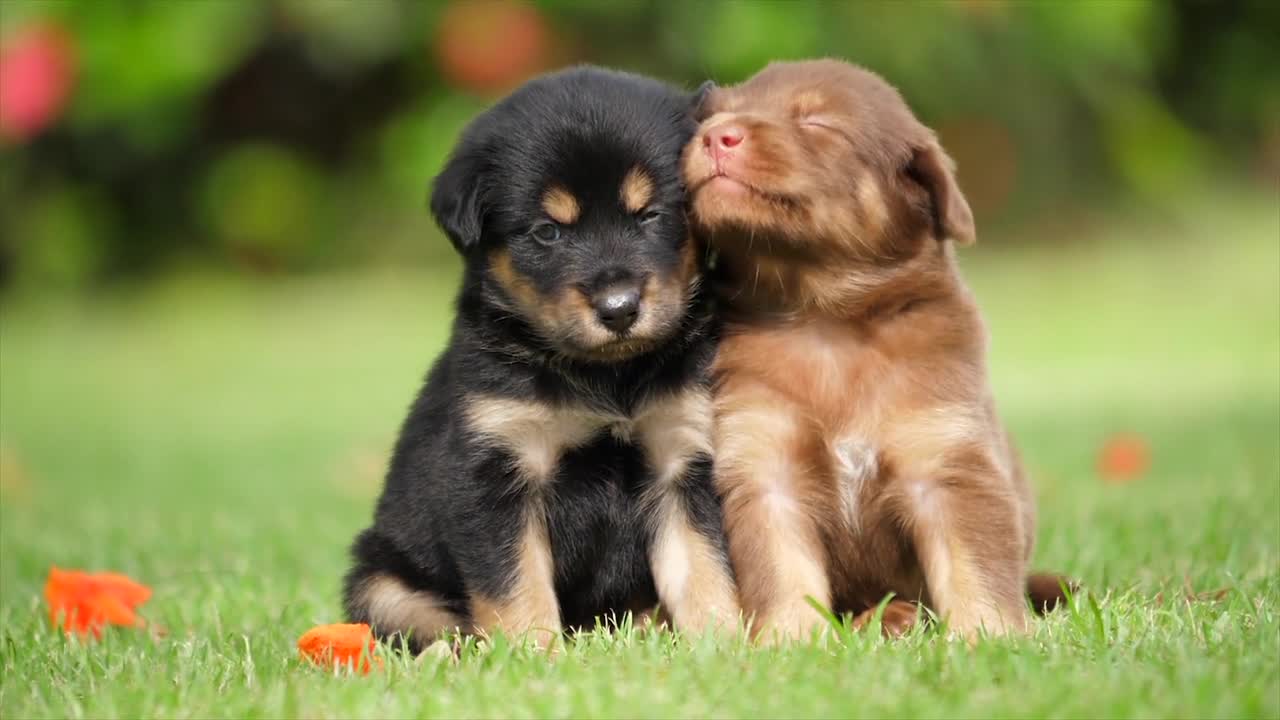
(1124, 458)
(83, 602)
(37, 65)
(490, 46)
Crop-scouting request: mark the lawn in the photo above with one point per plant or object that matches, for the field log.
(222, 440)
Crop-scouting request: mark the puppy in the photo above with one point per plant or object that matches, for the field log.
(556, 466)
(858, 450)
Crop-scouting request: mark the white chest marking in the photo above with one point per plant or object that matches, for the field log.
(856, 463)
(673, 430)
(535, 433)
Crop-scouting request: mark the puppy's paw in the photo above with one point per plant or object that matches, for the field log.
(972, 627)
(788, 625)
(900, 616)
(440, 651)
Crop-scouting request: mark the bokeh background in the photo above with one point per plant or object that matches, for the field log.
(288, 136)
(220, 288)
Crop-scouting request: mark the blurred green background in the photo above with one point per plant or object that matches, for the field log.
(286, 136)
(220, 288)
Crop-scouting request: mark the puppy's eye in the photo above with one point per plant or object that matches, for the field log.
(545, 232)
(812, 123)
(650, 216)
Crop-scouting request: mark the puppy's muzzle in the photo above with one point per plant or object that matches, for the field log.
(617, 306)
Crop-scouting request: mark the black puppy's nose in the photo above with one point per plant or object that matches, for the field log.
(617, 306)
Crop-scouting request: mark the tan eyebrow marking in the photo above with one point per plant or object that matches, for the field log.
(637, 189)
(561, 205)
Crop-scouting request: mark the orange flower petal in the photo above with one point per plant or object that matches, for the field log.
(345, 644)
(123, 587)
(112, 610)
(82, 602)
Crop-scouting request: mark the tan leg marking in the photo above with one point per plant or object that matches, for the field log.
(530, 607)
(690, 572)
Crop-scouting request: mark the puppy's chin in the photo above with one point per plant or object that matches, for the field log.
(746, 221)
(723, 203)
(615, 351)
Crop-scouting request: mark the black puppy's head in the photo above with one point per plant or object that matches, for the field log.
(567, 202)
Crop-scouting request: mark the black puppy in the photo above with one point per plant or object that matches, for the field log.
(556, 466)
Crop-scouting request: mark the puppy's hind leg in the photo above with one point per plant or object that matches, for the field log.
(376, 592)
(395, 611)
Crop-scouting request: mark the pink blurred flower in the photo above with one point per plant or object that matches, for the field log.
(37, 65)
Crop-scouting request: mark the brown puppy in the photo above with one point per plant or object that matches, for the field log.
(857, 446)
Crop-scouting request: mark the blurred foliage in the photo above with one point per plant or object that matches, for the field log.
(293, 134)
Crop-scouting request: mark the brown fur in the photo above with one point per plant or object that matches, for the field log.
(898, 619)
(858, 448)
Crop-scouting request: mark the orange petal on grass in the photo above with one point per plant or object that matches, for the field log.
(81, 602)
(123, 587)
(1124, 458)
(349, 644)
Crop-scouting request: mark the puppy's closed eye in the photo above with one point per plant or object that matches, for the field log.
(817, 123)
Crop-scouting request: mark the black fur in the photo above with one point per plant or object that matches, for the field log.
(451, 508)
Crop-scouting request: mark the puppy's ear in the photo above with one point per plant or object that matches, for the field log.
(932, 168)
(456, 200)
(698, 100)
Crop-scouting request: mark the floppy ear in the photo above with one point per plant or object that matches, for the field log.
(698, 100)
(456, 201)
(933, 168)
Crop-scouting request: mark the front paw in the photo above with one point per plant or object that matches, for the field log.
(798, 622)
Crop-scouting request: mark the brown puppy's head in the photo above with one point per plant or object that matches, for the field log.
(820, 160)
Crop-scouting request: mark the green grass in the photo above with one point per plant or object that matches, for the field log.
(222, 440)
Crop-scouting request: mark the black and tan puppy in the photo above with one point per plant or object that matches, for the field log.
(556, 468)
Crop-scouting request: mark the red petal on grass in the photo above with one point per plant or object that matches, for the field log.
(81, 602)
(349, 644)
(1124, 458)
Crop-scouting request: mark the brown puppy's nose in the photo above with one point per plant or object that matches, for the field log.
(723, 138)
